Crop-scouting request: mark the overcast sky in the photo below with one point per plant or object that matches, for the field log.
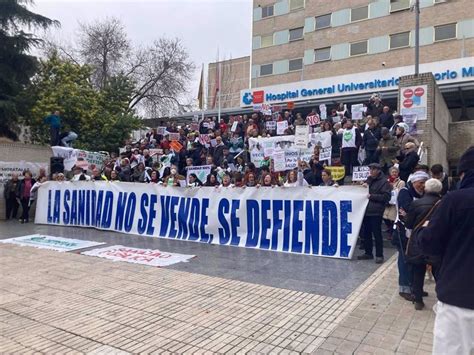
(203, 25)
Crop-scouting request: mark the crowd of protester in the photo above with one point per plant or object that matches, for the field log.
(401, 190)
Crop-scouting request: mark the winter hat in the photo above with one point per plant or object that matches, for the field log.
(466, 162)
(404, 126)
(418, 176)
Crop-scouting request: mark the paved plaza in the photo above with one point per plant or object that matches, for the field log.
(219, 302)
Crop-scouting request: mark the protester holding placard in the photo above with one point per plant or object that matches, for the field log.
(351, 141)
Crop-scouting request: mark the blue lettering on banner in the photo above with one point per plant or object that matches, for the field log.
(300, 225)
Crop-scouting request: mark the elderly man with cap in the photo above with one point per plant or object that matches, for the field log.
(449, 234)
(413, 191)
(379, 195)
(408, 161)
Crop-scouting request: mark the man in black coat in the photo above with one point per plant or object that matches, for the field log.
(379, 195)
(408, 161)
(386, 118)
(417, 211)
(449, 234)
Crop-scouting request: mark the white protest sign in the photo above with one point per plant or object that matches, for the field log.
(234, 126)
(7, 168)
(357, 111)
(323, 110)
(313, 120)
(49, 242)
(279, 162)
(301, 136)
(138, 256)
(270, 125)
(360, 173)
(161, 131)
(321, 139)
(174, 136)
(282, 126)
(325, 153)
(201, 172)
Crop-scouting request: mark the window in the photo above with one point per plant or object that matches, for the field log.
(296, 33)
(266, 69)
(266, 41)
(296, 4)
(358, 48)
(322, 54)
(323, 21)
(445, 32)
(296, 64)
(399, 40)
(398, 5)
(361, 13)
(267, 11)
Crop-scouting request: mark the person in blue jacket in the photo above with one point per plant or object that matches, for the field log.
(54, 121)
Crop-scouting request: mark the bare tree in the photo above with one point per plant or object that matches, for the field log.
(162, 73)
(104, 45)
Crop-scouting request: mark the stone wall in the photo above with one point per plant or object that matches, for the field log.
(435, 129)
(461, 137)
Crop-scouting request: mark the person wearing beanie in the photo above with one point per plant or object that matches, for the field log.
(449, 235)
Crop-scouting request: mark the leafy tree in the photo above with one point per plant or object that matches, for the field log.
(100, 118)
(16, 65)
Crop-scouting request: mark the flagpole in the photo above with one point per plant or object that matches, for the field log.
(203, 91)
(219, 93)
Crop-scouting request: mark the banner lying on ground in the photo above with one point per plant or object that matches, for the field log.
(318, 221)
(53, 243)
(139, 256)
(71, 156)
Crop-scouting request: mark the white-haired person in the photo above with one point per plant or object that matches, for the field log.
(414, 190)
(417, 212)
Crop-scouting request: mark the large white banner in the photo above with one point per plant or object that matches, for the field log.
(266, 147)
(71, 156)
(321, 221)
(7, 168)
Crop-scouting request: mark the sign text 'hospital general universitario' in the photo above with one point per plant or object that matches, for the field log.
(322, 221)
(445, 72)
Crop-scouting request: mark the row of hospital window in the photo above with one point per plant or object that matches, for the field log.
(398, 40)
(357, 14)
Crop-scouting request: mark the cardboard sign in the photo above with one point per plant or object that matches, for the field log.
(282, 126)
(337, 172)
(323, 111)
(325, 153)
(194, 126)
(270, 125)
(301, 137)
(234, 126)
(204, 139)
(161, 131)
(201, 172)
(313, 120)
(357, 111)
(174, 136)
(176, 146)
(279, 162)
(360, 173)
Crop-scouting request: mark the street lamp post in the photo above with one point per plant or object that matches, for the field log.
(417, 37)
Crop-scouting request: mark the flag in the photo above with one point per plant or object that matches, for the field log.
(201, 90)
(217, 83)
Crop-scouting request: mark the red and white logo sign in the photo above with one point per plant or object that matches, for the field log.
(407, 103)
(419, 92)
(258, 97)
(408, 93)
